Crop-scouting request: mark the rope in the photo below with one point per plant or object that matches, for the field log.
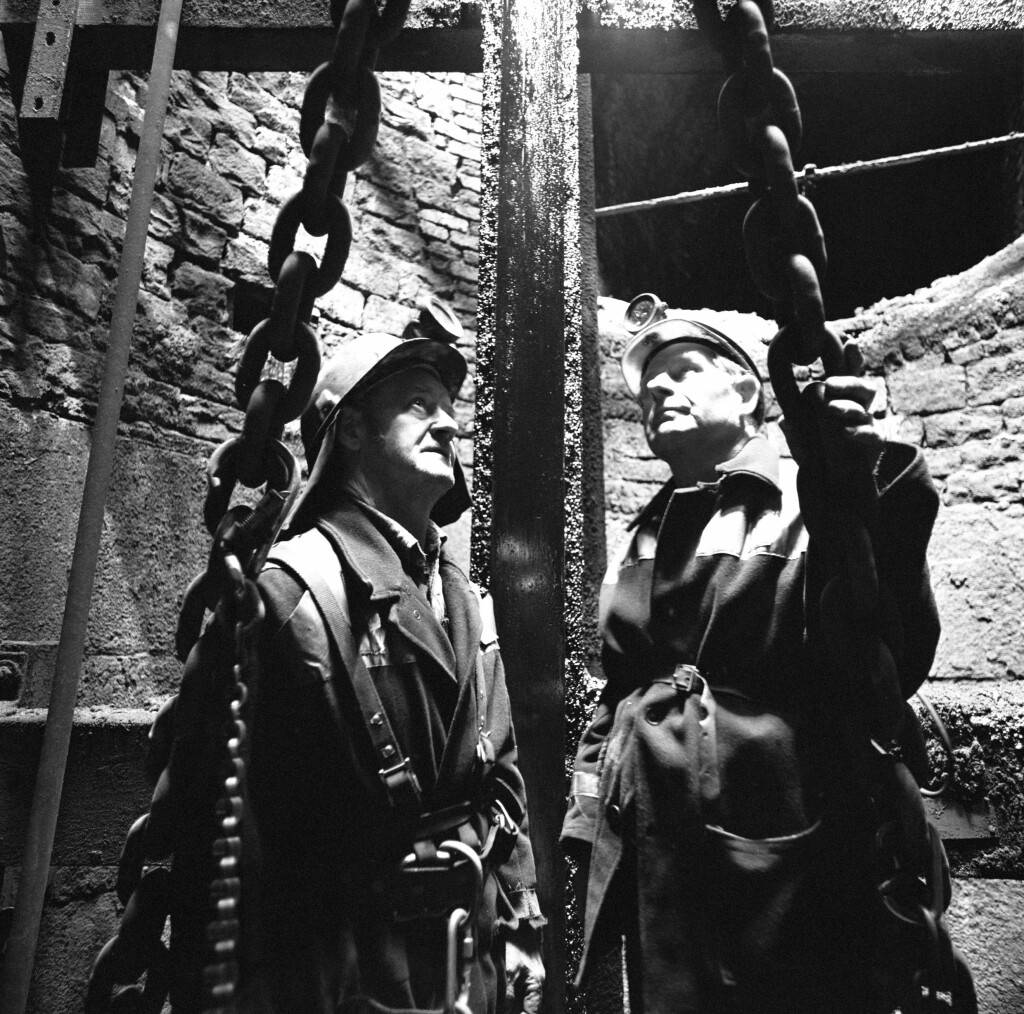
(811, 173)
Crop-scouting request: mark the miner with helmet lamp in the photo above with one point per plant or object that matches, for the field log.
(383, 772)
(702, 819)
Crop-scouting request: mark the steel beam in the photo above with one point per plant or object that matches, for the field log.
(529, 317)
(119, 36)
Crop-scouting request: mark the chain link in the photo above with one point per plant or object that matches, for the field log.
(339, 122)
(785, 250)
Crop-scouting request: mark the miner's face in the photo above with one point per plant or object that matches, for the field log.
(410, 430)
(694, 401)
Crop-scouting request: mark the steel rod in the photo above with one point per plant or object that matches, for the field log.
(809, 173)
(19, 955)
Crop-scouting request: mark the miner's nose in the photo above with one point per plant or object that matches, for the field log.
(659, 383)
(444, 423)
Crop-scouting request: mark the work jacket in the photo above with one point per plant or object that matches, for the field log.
(701, 783)
(330, 841)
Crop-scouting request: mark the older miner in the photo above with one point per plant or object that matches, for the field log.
(380, 723)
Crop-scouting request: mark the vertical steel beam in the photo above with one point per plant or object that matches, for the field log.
(529, 320)
(16, 973)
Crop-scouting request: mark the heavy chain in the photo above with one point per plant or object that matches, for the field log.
(785, 250)
(339, 121)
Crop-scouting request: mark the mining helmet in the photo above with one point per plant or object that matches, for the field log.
(653, 327)
(360, 365)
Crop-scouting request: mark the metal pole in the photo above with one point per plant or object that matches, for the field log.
(812, 173)
(16, 973)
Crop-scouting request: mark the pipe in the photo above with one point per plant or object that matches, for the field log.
(811, 173)
(19, 955)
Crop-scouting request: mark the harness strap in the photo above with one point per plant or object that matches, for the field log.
(303, 557)
(686, 680)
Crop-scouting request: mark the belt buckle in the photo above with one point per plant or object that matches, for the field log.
(399, 775)
(684, 676)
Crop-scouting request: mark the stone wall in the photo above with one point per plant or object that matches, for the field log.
(231, 156)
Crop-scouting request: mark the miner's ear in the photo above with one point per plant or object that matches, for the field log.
(748, 387)
(350, 429)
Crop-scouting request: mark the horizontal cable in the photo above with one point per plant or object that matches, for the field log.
(811, 173)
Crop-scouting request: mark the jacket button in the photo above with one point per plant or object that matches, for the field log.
(415, 614)
(613, 816)
(654, 715)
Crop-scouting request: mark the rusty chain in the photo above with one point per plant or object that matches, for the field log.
(761, 125)
(339, 120)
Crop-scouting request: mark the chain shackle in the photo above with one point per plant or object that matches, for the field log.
(314, 106)
(770, 247)
(746, 23)
(342, 140)
(132, 860)
(292, 306)
(306, 352)
(323, 177)
(268, 404)
(136, 948)
(317, 106)
(261, 426)
(222, 476)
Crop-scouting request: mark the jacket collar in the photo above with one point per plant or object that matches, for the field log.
(757, 458)
(410, 553)
(374, 561)
(371, 557)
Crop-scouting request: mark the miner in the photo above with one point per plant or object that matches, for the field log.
(383, 769)
(702, 817)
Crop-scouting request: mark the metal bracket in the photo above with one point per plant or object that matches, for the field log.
(26, 672)
(48, 61)
(13, 669)
(60, 102)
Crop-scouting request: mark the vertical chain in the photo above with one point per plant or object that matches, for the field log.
(339, 121)
(785, 249)
(221, 974)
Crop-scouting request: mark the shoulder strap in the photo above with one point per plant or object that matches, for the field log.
(303, 558)
(488, 639)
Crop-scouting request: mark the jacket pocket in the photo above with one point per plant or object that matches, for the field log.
(760, 898)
